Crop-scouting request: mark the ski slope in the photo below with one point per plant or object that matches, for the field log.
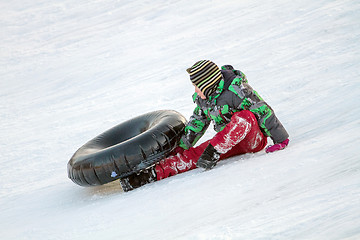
(70, 70)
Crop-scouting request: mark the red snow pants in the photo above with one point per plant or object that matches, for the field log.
(241, 135)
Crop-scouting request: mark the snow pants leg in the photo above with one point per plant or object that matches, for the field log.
(241, 135)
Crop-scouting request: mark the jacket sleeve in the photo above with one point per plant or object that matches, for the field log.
(248, 99)
(195, 128)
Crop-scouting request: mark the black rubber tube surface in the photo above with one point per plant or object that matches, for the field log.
(126, 148)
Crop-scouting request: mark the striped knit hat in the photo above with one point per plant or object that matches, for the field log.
(206, 75)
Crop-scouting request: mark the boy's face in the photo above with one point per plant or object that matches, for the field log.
(200, 93)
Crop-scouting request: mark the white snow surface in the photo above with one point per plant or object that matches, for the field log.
(69, 70)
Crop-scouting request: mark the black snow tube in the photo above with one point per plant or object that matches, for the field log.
(127, 148)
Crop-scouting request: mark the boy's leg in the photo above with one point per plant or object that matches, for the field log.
(241, 135)
(180, 162)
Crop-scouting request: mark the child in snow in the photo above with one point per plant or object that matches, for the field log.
(241, 118)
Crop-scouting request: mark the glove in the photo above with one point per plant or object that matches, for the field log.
(209, 158)
(277, 147)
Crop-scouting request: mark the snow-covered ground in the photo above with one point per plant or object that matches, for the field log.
(69, 70)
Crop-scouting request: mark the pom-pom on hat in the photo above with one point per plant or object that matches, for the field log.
(206, 75)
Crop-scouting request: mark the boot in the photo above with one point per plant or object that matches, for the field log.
(138, 179)
(209, 158)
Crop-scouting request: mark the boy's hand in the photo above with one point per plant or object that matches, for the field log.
(277, 147)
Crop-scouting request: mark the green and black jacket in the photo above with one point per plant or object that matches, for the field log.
(233, 94)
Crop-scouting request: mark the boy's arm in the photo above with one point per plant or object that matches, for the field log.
(195, 128)
(248, 99)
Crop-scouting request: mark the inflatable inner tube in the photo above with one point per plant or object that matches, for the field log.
(127, 148)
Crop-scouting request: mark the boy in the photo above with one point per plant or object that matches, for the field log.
(241, 118)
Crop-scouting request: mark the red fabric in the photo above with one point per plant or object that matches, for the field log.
(242, 135)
